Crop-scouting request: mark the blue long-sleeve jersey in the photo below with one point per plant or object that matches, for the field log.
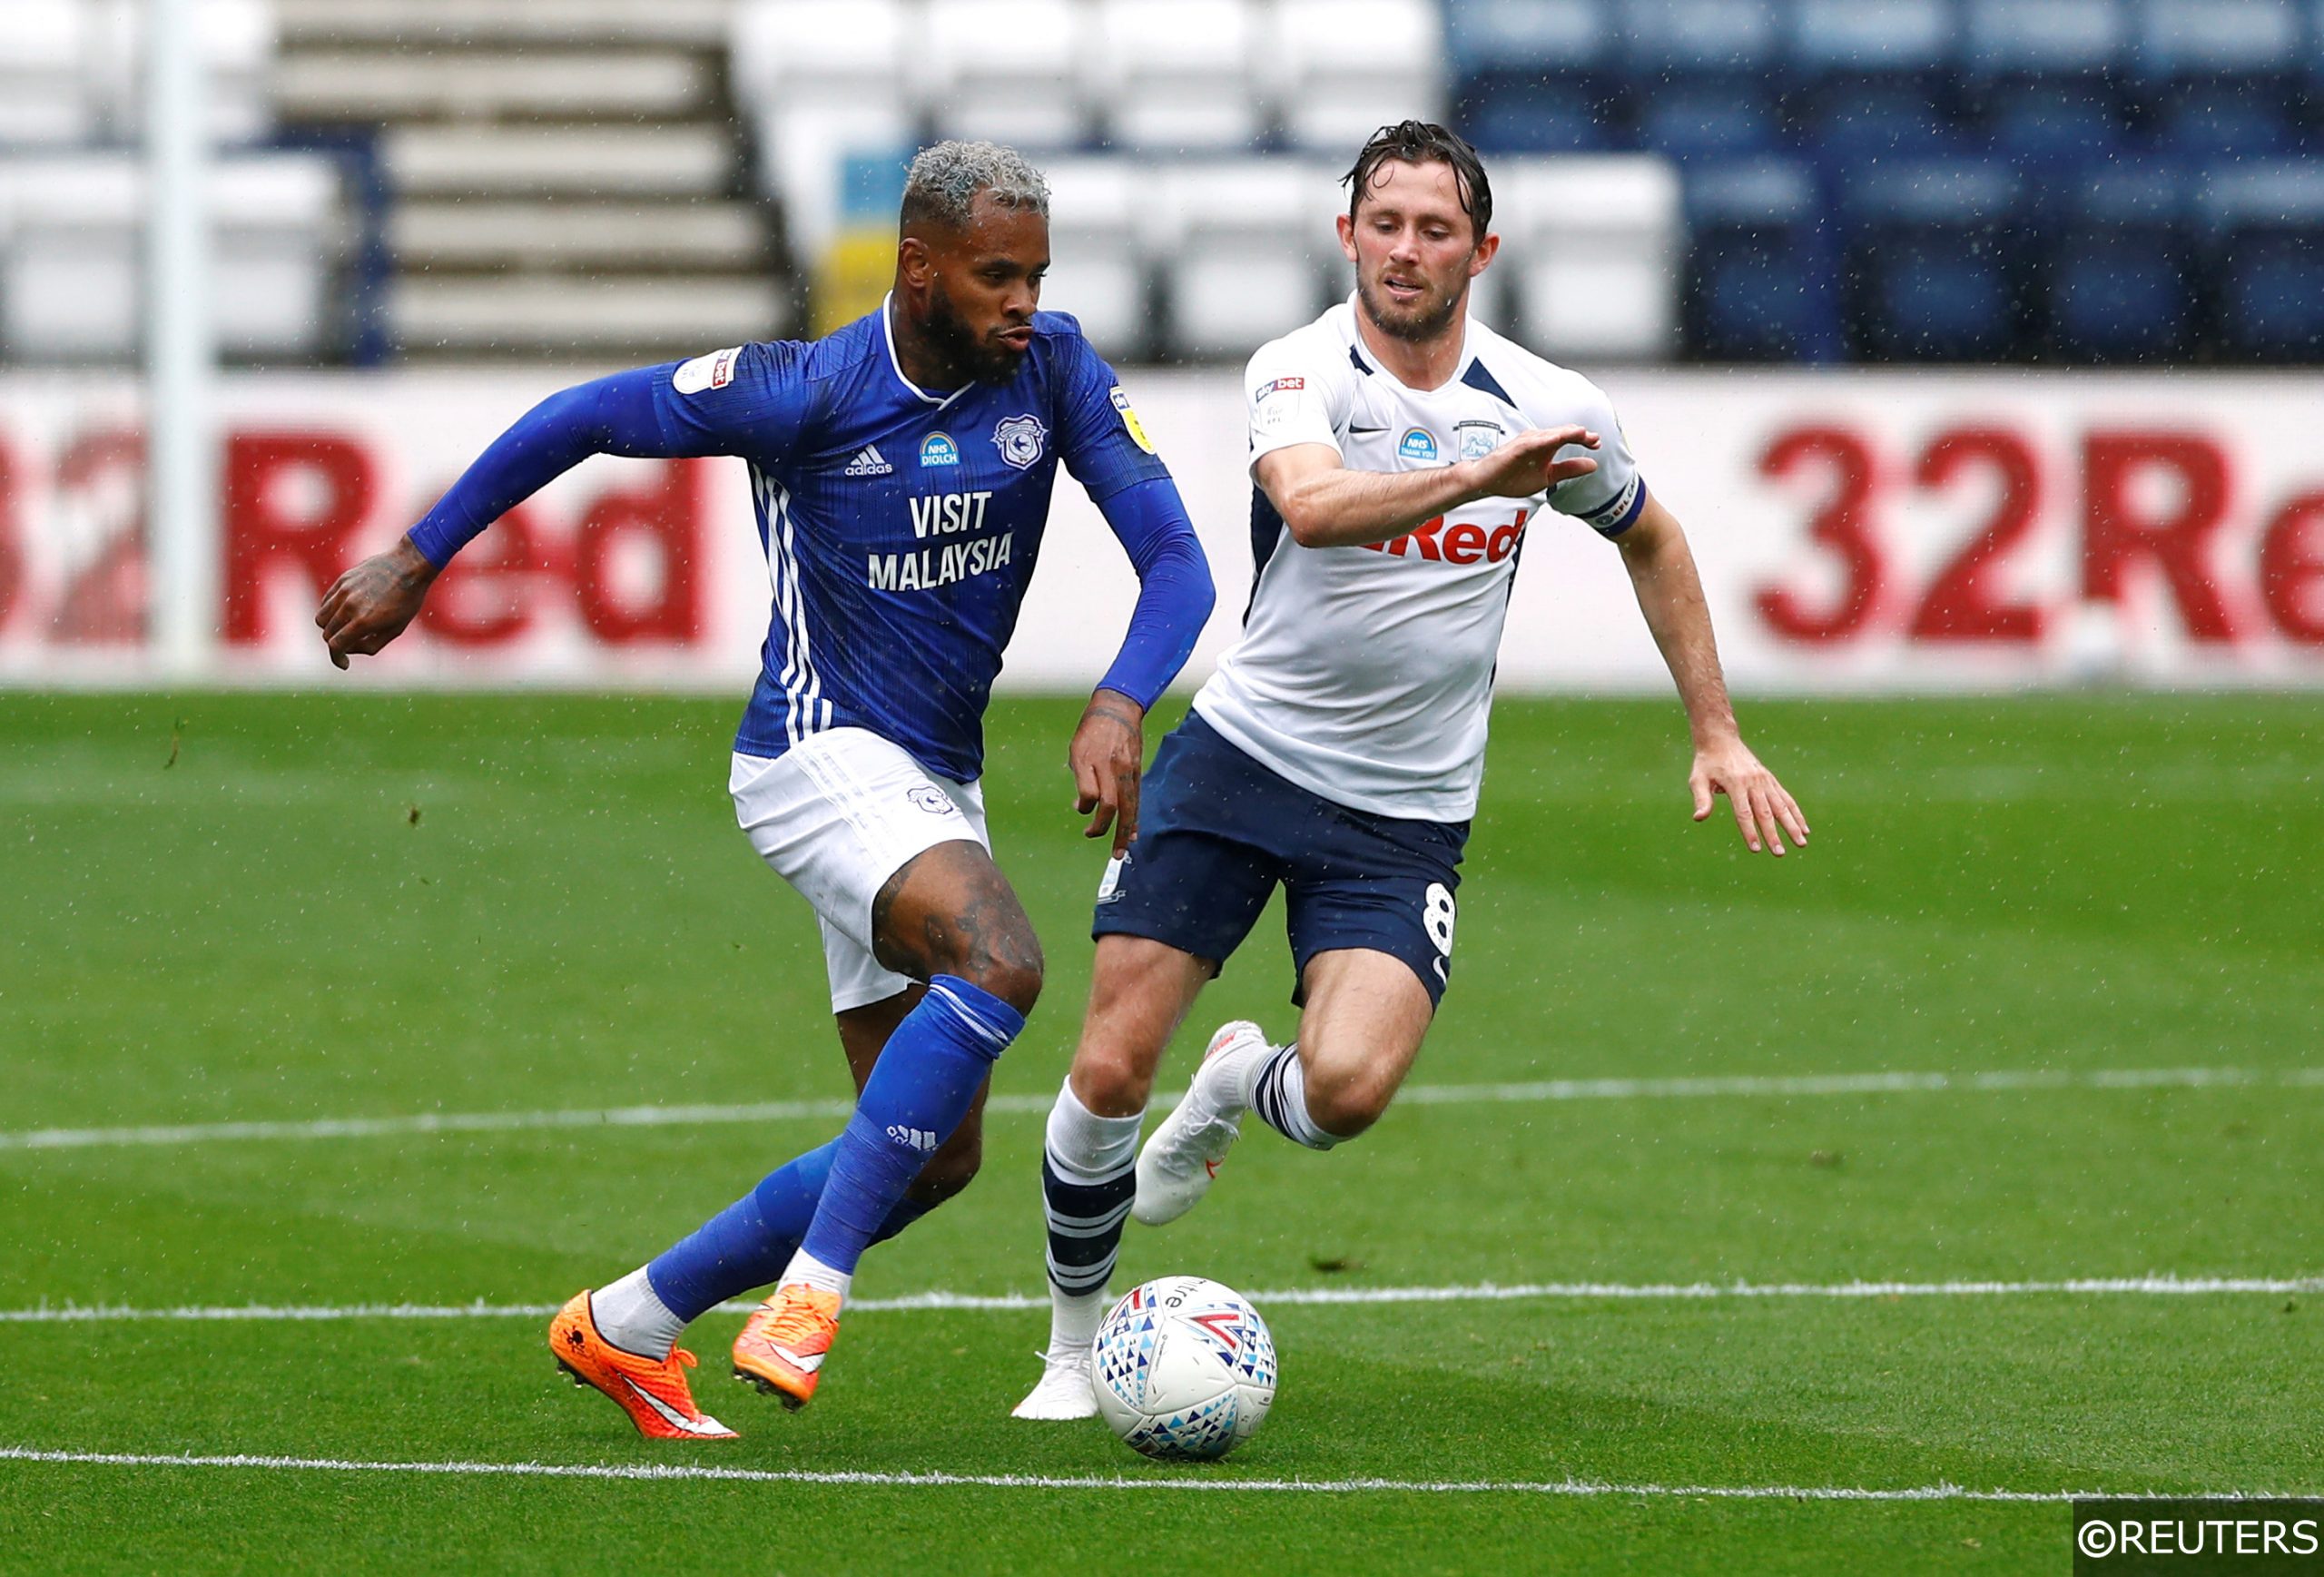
(901, 525)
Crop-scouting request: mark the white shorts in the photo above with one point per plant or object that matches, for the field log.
(836, 815)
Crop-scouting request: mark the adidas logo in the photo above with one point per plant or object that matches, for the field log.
(918, 1139)
(868, 462)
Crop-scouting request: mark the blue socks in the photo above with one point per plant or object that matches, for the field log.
(919, 1090)
(931, 1070)
(747, 1244)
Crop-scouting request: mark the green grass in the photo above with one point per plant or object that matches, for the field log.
(264, 930)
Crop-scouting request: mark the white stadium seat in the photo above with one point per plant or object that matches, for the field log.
(1178, 76)
(1243, 260)
(506, 24)
(45, 48)
(1347, 67)
(831, 50)
(1009, 70)
(1097, 269)
(821, 80)
(70, 268)
(278, 239)
(237, 42)
(1591, 249)
(72, 262)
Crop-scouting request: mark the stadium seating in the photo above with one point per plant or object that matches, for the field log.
(1534, 74)
(1821, 176)
(1928, 277)
(237, 39)
(44, 95)
(1009, 70)
(1875, 76)
(821, 80)
(1701, 73)
(71, 70)
(1246, 242)
(1760, 280)
(72, 264)
(1345, 67)
(1590, 249)
(1179, 75)
(1098, 268)
(74, 201)
(2264, 233)
(2123, 282)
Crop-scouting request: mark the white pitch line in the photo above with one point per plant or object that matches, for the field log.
(1480, 1292)
(1552, 1089)
(652, 1472)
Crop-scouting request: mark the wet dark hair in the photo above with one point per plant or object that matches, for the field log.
(1422, 143)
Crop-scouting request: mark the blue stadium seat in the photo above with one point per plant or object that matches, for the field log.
(2182, 41)
(1929, 273)
(2220, 76)
(2123, 277)
(2225, 120)
(1708, 118)
(1521, 117)
(1875, 120)
(2046, 77)
(1877, 77)
(1522, 35)
(2264, 242)
(1884, 38)
(2054, 122)
(1533, 75)
(1703, 75)
(1669, 41)
(2044, 40)
(1760, 281)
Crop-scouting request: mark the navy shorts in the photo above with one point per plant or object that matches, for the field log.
(1217, 831)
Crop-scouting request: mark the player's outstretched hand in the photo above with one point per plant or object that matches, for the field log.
(1108, 752)
(1764, 812)
(1529, 464)
(369, 605)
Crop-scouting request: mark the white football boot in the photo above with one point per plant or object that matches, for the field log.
(1182, 1156)
(1064, 1391)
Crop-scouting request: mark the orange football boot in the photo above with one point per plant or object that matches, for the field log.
(785, 1340)
(653, 1394)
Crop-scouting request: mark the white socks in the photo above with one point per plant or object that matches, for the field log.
(805, 1267)
(632, 1316)
(1088, 1180)
(1089, 1146)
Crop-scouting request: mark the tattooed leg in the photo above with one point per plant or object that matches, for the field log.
(950, 911)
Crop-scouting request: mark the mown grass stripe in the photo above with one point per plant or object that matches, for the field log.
(419, 1124)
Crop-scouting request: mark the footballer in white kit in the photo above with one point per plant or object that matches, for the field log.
(1401, 453)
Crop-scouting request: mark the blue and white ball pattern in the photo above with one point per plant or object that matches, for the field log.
(1184, 1369)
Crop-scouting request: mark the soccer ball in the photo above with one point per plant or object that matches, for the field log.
(1184, 1369)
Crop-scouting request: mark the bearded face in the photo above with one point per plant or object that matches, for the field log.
(992, 356)
(1415, 249)
(1405, 303)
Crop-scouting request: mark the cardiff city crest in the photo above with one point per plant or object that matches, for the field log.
(1019, 440)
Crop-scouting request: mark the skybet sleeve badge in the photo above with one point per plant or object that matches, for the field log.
(1130, 419)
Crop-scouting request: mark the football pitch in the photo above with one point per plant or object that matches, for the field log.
(1846, 1212)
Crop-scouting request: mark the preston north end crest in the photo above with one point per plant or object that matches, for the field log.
(1020, 438)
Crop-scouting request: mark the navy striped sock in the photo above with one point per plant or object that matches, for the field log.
(1085, 1224)
(1279, 1094)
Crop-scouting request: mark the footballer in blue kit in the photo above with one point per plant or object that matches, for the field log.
(902, 470)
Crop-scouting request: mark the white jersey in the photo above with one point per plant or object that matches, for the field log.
(1364, 674)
